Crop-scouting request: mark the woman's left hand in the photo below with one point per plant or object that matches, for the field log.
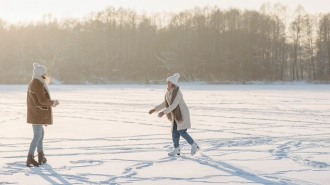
(161, 114)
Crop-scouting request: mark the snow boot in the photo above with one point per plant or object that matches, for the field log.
(41, 158)
(30, 160)
(176, 151)
(194, 148)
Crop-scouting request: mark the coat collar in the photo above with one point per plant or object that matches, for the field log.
(39, 78)
(42, 81)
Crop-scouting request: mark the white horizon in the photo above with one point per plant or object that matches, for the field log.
(16, 11)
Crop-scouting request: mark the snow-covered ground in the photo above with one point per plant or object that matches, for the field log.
(255, 134)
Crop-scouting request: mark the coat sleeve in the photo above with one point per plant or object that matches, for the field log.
(174, 104)
(160, 107)
(38, 90)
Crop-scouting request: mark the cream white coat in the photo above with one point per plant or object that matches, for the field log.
(185, 123)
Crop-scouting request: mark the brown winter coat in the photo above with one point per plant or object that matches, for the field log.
(39, 105)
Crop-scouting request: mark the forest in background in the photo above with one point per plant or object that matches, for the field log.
(202, 44)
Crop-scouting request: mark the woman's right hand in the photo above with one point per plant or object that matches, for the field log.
(57, 103)
(152, 111)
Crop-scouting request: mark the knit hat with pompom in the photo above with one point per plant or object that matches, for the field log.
(174, 79)
(38, 70)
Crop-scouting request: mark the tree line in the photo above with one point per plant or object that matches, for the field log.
(202, 44)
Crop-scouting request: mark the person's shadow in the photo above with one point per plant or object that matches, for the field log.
(232, 170)
(45, 171)
(51, 173)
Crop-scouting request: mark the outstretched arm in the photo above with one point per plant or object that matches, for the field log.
(160, 107)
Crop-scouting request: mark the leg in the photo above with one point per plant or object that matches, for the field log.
(186, 136)
(41, 156)
(40, 143)
(37, 130)
(175, 136)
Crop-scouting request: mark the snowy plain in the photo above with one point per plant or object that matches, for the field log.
(103, 134)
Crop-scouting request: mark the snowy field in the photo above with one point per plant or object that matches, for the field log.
(249, 134)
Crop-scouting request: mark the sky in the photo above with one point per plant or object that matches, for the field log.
(15, 11)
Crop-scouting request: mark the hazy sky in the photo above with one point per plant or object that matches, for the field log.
(26, 10)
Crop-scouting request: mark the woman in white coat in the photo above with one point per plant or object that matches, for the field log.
(178, 113)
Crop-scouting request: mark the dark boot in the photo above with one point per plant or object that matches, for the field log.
(30, 160)
(41, 158)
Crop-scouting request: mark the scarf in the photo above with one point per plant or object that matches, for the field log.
(176, 112)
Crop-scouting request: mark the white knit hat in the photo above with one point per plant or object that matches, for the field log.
(38, 70)
(174, 79)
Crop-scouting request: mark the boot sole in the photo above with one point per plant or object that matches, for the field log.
(197, 149)
(42, 163)
(32, 166)
(173, 155)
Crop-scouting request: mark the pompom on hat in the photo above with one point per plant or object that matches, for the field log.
(174, 79)
(38, 70)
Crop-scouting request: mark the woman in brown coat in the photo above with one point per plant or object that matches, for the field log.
(39, 112)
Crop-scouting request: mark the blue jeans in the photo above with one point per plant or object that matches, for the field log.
(37, 141)
(183, 133)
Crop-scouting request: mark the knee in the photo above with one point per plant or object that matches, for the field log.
(181, 132)
(175, 134)
(38, 136)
